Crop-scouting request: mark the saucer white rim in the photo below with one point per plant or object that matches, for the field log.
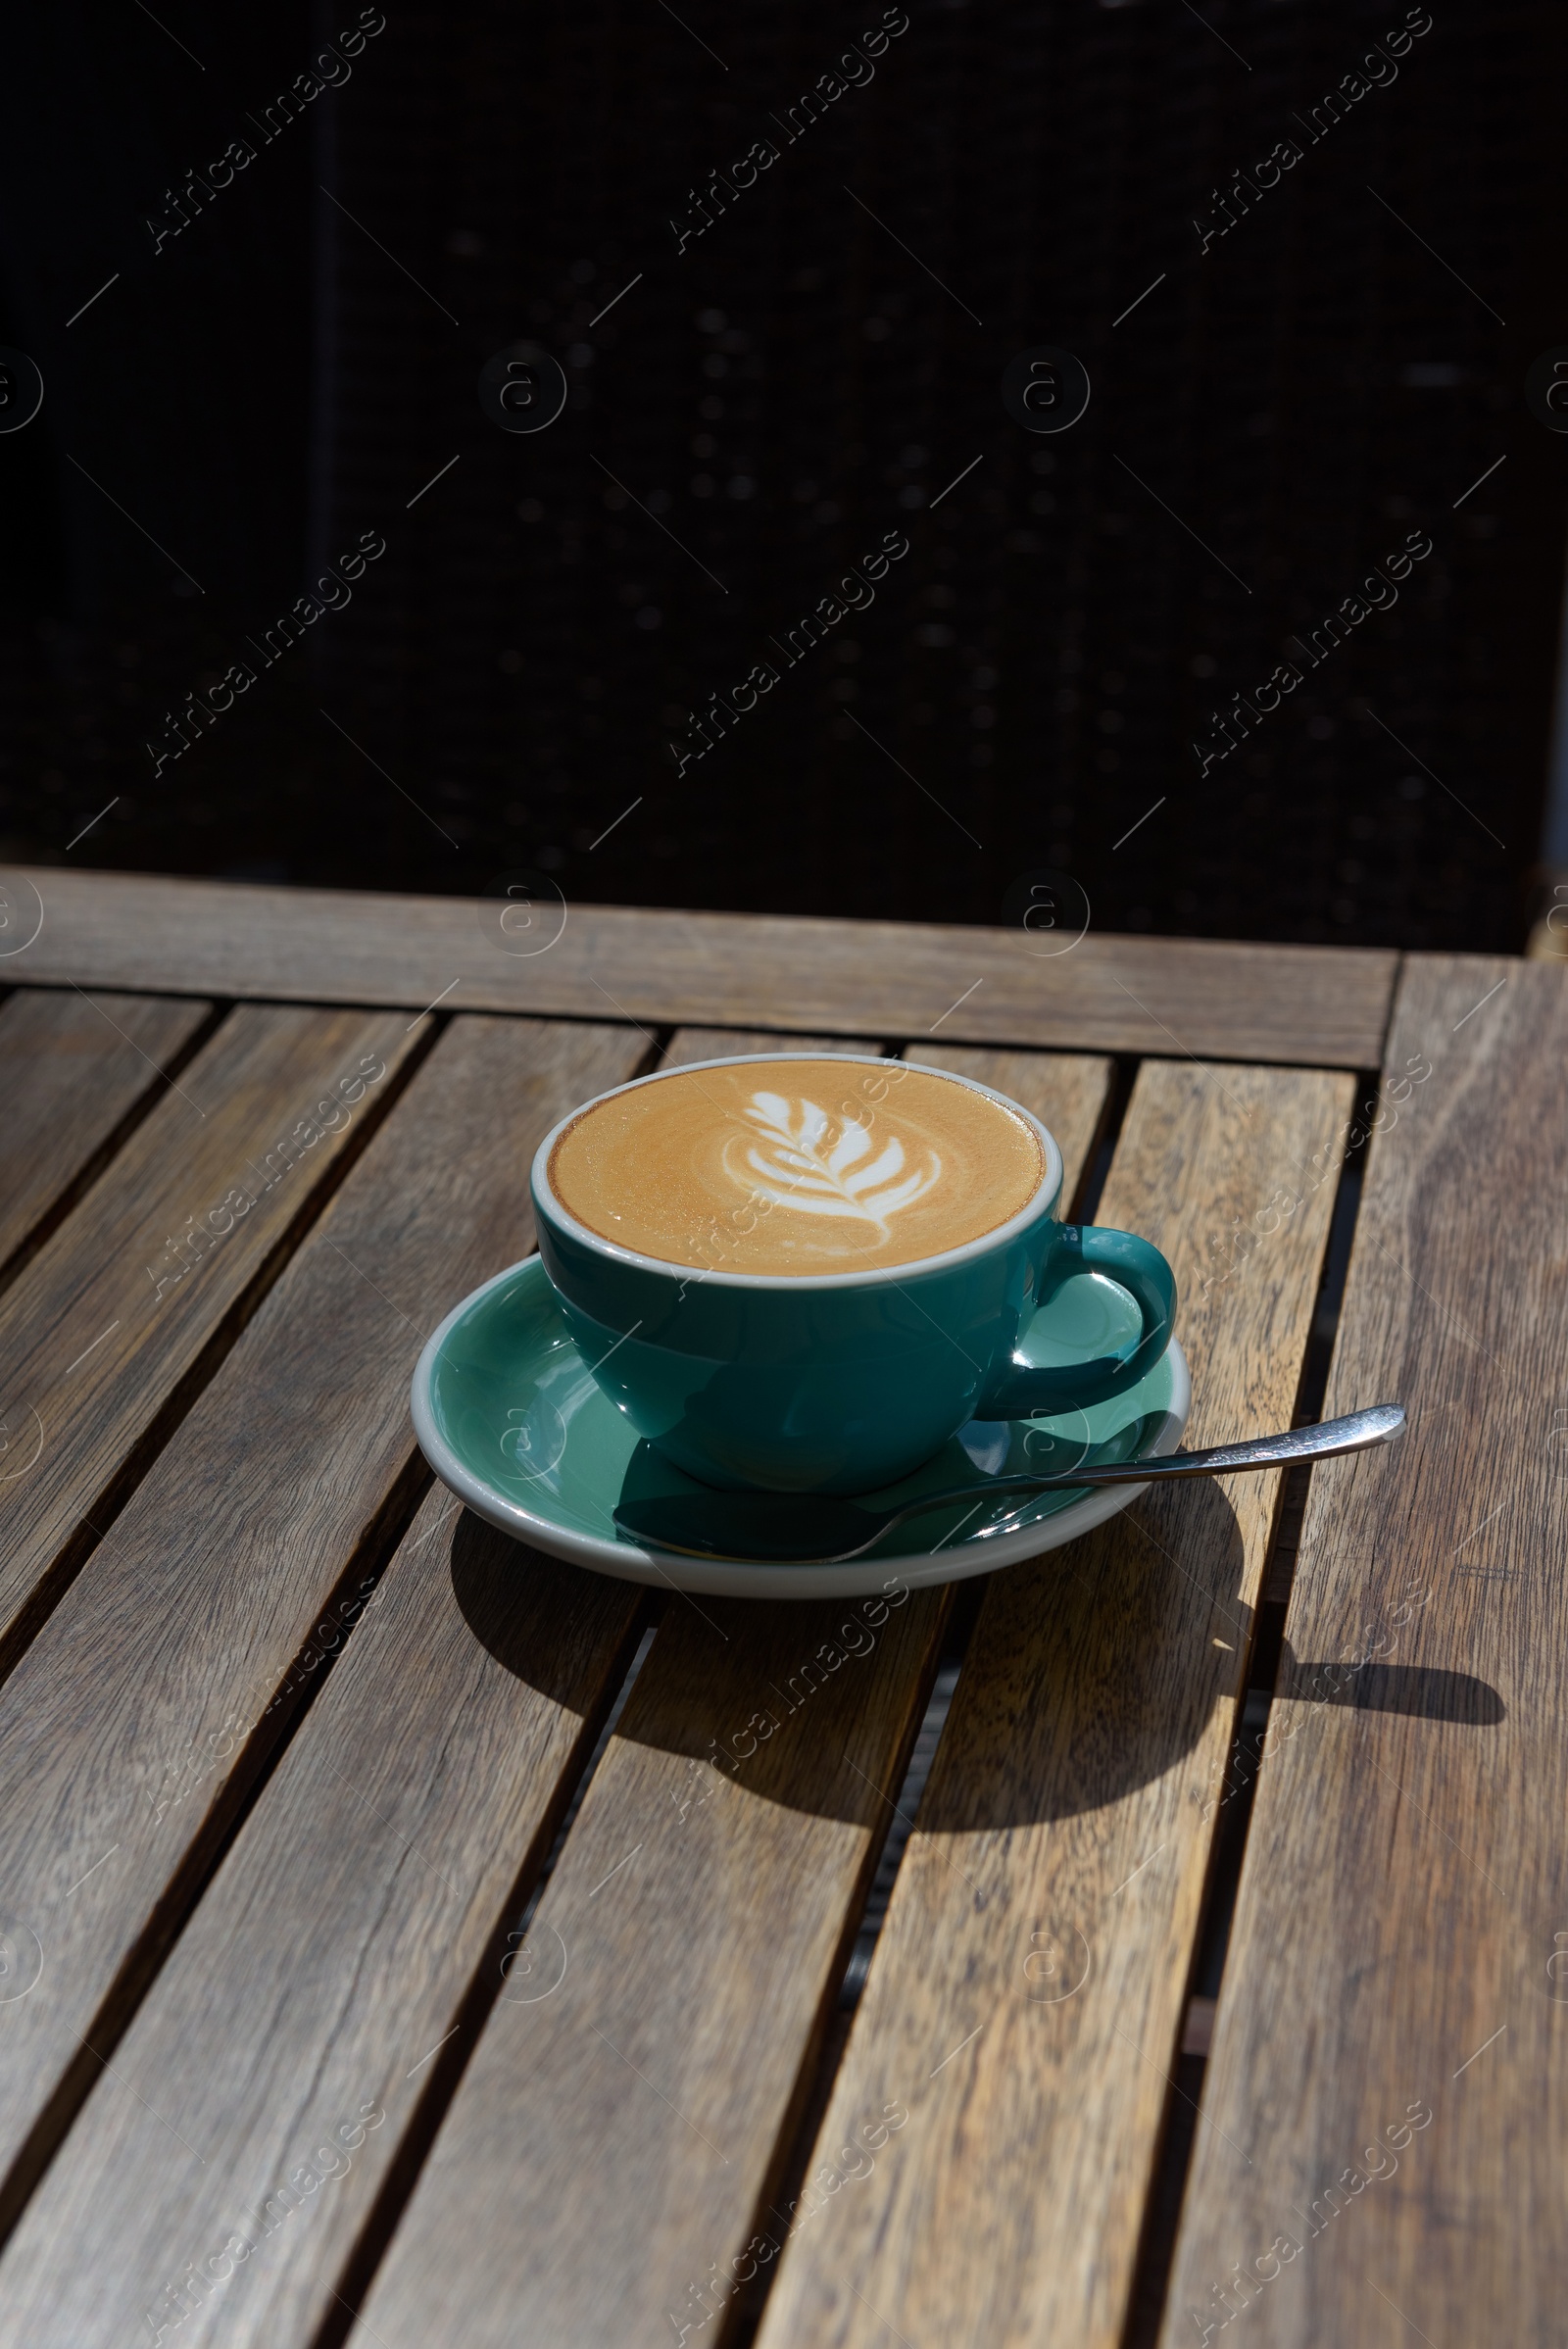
(720, 1578)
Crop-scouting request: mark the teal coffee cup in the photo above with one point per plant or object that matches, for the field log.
(846, 1381)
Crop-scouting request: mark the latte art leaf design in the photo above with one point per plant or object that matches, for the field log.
(806, 1160)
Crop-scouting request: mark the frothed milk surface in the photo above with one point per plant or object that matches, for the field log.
(797, 1167)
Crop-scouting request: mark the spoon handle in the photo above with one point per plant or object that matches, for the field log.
(1330, 1436)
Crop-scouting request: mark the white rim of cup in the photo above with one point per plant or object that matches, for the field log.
(916, 1267)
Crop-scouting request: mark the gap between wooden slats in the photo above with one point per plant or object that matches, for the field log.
(77, 1074)
(609, 2144)
(1404, 1899)
(252, 1845)
(277, 2077)
(124, 1312)
(167, 1655)
(1024, 2001)
(1233, 1817)
(1022, 1076)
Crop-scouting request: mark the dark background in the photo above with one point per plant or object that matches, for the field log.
(777, 397)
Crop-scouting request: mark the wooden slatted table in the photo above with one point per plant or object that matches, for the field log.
(380, 1961)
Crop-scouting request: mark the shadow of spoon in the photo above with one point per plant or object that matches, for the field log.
(819, 1528)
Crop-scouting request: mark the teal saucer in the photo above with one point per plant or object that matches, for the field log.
(512, 1420)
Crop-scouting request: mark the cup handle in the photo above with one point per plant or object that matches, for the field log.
(1018, 1390)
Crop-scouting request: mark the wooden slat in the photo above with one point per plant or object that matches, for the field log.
(611, 2140)
(107, 1319)
(225, 2059)
(1313, 1004)
(135, 1722)
(1024, 2000)
(609, 2143)
(725, 1044)
(71, 1071)
(329, 1961)
(1404, 1897)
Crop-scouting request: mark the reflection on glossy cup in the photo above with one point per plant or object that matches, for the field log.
(846, 1381)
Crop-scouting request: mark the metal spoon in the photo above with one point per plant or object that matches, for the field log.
(819, 1528)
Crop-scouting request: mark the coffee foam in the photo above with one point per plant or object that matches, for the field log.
(809, 1166)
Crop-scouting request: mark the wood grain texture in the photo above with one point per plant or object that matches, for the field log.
(1404, 1895)
(1313, 1004)
(100, 1326)
(610, 2145)
(1024, 2001)
(71, 1070)
(139, 1715)
(329, 1961)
